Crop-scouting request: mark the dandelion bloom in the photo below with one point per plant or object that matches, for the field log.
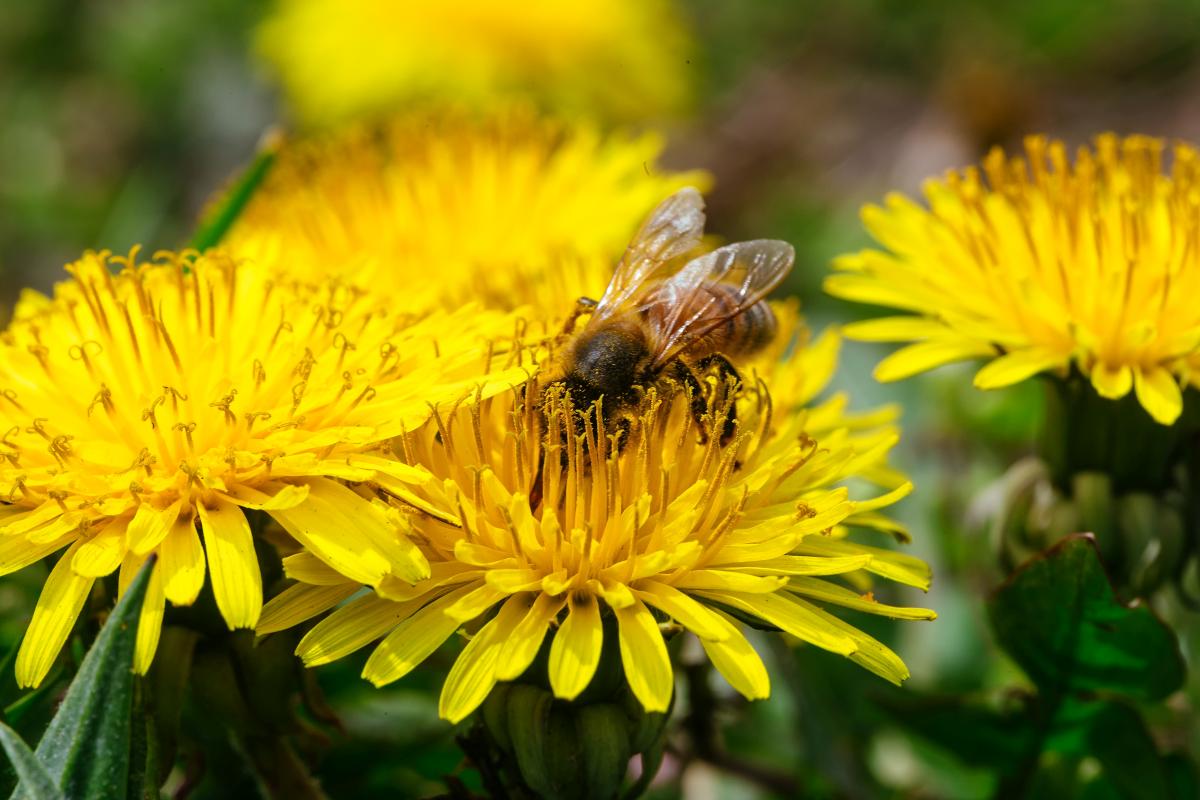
(142, 406)
(608, 59)
(1044, 265)
(437, 210)
(671, 526)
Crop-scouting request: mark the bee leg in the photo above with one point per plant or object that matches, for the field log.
(699, 406)
(724, 371)
(584, 305)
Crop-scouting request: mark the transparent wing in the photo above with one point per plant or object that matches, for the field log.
(747, 271)
(672, 229)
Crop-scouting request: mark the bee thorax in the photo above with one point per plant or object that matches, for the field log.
(607, 362)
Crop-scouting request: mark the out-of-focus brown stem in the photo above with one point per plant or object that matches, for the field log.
(703, 733)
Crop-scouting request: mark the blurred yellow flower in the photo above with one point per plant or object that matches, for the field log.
(433, 211)
(1044, 265)
(142, 406)
(669, 528)
(607, 59)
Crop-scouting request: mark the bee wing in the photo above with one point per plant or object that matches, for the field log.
(753, 269)
(672, 229)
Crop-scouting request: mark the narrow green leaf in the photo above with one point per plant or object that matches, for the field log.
(30, 772)
(86, 748)
(1058, 618)
(226, 210)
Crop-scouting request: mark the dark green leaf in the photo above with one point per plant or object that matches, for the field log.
(1118, 739)
(1058, 618)
(86, 747)
(30, 772)
(1181, 776)
(979, 736)
(226, 210)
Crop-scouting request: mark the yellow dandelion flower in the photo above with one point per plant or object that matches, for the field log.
(143, 406)
(671, 531)
(438, 210)
(610, 59)
(1041, 264)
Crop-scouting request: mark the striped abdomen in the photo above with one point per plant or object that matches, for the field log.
(735, 331)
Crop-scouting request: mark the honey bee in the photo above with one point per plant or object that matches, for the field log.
(664, 317)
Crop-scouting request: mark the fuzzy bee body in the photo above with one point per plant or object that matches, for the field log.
(665, 317)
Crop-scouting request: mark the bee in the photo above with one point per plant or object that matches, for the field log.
(665, 317)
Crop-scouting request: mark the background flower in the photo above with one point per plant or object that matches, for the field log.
(436, 209)
(1043, 265)
(338, 60)
(144, 406)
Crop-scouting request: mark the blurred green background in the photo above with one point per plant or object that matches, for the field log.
(119, 118)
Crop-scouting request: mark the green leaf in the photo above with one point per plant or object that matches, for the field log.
(1181, 775)
(1115, 735)
(977, 735)
(86, 748)
(1058, 617)
(30, 771)
(1119, 740)
(226, 210)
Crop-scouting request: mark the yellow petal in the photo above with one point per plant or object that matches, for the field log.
(644, 656)
(895, 329)
(474, 672)
(1112, 382)
(899, 567)
(526, 638)
(102, 553)
(697, 618)
(793, 616)
(575, 651)
(17, 552)
(301, 602)
(232, 563)
(723, 580)
(57, 608)
(412, 640)
(807, 565)
(150, 526)
(151, 617)
(307, 568)
(476, 603)
(1158, 392)
(1016, 366)
(923, 356)
(868, 652)
(354, 625)
(827, 592)
(738, 663)
(326, 525)
(271, 496)
(181, 561)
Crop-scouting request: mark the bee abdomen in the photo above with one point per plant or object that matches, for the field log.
(755, 328)
(738, 333)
